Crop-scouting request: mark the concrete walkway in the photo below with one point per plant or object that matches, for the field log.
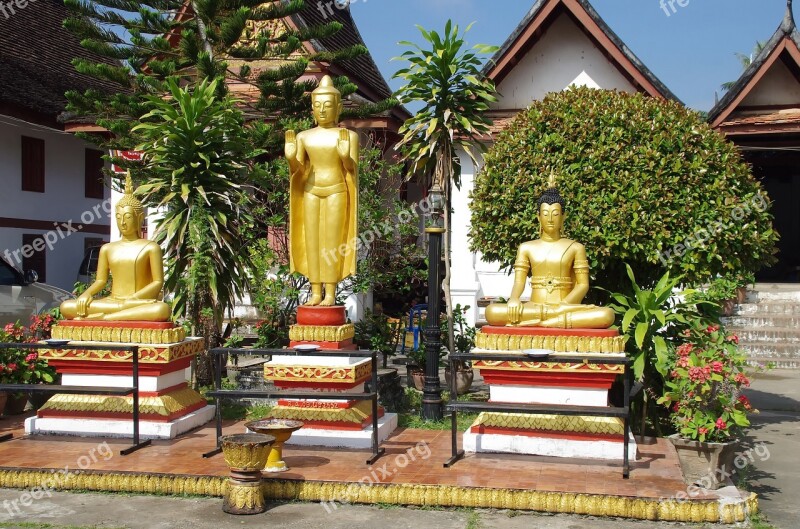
(776, 478)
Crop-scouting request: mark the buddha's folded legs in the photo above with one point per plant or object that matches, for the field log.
(564, 316)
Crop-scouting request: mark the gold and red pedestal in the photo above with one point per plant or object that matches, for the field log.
(549, 381)
(328, 422)
(167, 405)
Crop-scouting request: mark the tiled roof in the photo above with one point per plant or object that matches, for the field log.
(786, 31)
(577, 6)
(790, 117)
(35, 58)
(362, 67)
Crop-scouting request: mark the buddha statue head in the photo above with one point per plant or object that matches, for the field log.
(552, 210)
(130, 212)
(326, 103)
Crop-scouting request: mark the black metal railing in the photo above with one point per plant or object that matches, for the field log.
(623, 412)
(85, 390)
(219, 354)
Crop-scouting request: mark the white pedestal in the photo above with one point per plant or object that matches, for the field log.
(117, 427)
(548, 446)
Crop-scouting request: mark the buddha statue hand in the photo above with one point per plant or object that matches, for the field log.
(291, 145)
(514, 308)
(82, 305)
(343, 147)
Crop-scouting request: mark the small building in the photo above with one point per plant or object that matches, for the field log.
(761, 115)
(559, 43)
(54, 200)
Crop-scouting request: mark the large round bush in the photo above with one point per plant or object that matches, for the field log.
(647, 182)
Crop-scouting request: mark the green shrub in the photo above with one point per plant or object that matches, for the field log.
(644, 180)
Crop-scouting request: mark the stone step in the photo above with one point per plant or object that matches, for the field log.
(768, 307)
(781, 335)
(761, 319)
(773, 292)
(765, 352)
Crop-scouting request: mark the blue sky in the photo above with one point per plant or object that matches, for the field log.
(692, 50)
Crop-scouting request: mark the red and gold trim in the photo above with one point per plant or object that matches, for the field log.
(148, 353)
(355, 417)
(320, 375)
(163, 406)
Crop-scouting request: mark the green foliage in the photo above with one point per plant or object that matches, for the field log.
(446, 78)
(375, 333)
(704, 386)
(643, 179)
(23, 366)
(193, 146)
(464, 337)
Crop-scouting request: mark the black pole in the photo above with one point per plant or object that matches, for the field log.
(432, 393)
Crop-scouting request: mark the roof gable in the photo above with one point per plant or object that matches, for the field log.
(543, 15)
(772, 79)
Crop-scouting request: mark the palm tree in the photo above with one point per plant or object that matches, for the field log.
(193, 145)
(746, 61)
(446, 78)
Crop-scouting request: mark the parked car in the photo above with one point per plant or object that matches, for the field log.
(88, 268)
(22, 296)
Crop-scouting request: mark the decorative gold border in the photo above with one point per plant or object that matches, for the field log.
(356, 414)
(548, 367)
(694, 511)
(322, 333)
(119, 334)
(163, 405)
(319, 374)
(148, 354)
(558, 344)
(551, 423)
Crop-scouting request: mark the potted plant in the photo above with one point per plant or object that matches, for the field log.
(709, 411)
(464, 342)
(375, 333)
(724, 290)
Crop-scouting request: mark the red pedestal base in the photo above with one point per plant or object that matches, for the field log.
(327, 316)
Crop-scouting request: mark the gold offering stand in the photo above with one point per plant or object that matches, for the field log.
(622, 412)
(86, 390)
(218, 354)
(245, 455)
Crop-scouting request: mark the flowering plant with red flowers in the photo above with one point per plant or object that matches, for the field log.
(23, 366)
(704, 386)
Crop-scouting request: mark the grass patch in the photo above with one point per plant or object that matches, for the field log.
(473, 520)
(758, 521)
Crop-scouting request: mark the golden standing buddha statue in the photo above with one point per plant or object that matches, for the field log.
(559, 282)
(323, 198)
(136, 268)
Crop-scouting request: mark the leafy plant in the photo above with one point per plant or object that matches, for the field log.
(647, 182)
(446, 78)
(23, 366)
(704, 386)
(374, 332)
(271, 334)
(652, 320)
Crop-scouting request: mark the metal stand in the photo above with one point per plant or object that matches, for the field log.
(218, 393)
(86, 390)
(554, 409)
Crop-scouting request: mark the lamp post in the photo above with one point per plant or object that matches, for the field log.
(432, 393)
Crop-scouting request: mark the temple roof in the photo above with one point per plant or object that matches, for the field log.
(782, 50)
(543, 14)
(36, 55)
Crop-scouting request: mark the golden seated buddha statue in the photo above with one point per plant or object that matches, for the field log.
(559, 282)
(137, 271)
